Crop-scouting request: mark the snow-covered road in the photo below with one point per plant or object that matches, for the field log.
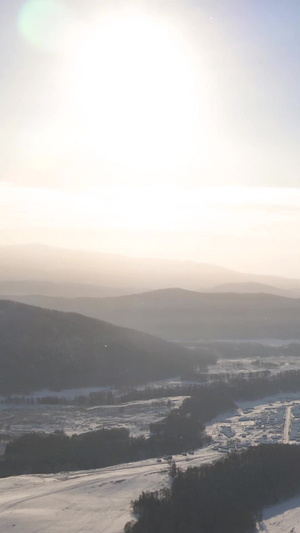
(287, 425)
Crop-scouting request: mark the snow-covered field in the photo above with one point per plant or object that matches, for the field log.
(245, 365)
(99, 500)
(79, 502)
(282, 518)
(135, 416)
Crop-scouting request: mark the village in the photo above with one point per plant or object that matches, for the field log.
(276, 422)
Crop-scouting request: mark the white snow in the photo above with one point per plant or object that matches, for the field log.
(134, 416)
(99, 500)
(274, 364)
(276, 419)
(85, 501)
(282, 517)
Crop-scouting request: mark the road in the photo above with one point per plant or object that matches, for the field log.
(287, 425)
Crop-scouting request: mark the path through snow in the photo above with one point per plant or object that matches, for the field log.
(287, 425)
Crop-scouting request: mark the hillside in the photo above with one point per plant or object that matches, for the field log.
(176, 314)
(40, 349)
(95, 500)
(115, 487)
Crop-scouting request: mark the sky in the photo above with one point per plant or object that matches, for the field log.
(153, 128)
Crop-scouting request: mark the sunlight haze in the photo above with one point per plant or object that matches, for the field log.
(153, 130)
(150, 266)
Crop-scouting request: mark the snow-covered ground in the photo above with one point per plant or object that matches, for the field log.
(276, 419)
(99, 500)
(244, 365)
(79, 502)
(135, 416)
(282, 518)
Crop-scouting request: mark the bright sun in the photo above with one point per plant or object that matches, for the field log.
(134, 91)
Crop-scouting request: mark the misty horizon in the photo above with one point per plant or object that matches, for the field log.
(186, 149)
(39, 246)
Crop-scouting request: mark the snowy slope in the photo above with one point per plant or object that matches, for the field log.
(282, 518)
(85, 501)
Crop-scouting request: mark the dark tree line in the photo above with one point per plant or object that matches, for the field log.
(41, 453)
(258, 387)
(35, 453)
(224, 497)
(238, 350)
(108, 397)
(243, 386)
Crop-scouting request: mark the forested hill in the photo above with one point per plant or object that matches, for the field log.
(40, 348)
(177, 314)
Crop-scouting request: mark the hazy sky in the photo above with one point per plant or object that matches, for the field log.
(168, 128)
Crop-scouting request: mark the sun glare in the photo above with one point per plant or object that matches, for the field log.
(47, 25)
(134, 91)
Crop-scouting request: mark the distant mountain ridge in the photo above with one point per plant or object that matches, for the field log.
(49, 264)
(181, 315)
(50, 288)
(256, 288)
(40, 349)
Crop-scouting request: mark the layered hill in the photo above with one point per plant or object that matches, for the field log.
(251, 288)
(50, 288)
(40, 348)
(111, 272)
(176, 314)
